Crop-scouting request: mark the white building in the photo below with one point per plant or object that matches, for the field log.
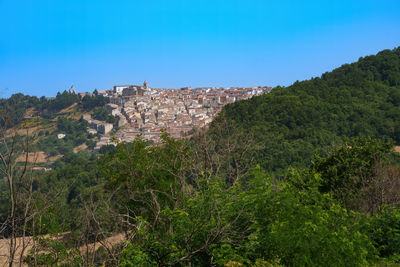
(119, 88)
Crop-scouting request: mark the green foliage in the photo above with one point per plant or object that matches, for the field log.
(74, 178)
(256, 222)
(385, 233)
(152, 174)
(175, 223)
(12, 110)
(260, 224)
(91, 102)
(355, 100)
(173, 219)
(69, 126)
(305, 227)
(102, 114)
(54, 253)
(107, 149)
(132, 256)
(75, 135)
(192, 230)
(178, 208)
(61, 101)
(347, 168)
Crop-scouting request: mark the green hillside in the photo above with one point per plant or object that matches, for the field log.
(45, 118)
(356, 100)
(203, 201)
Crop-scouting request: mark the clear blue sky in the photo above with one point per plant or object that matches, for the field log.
(48, 45)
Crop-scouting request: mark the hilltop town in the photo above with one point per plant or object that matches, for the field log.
(147, 111)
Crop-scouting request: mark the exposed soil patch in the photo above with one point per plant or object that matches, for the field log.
(29, 113)
(69, 109)
(28, 242)
(54, 158)
(33, 157)
(79, 148)
(24, 131)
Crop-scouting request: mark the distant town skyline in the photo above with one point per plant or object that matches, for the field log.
(46, 46)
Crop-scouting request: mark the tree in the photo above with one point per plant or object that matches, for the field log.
(223, 151)
(25, 204)
(304, 227)
(169, 217)
(358, 174)
(288, 124)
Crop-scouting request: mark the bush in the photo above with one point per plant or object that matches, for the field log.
(307, 228)
(385, 233)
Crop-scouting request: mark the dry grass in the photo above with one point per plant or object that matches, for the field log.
(22, 131)
(72, 112)
(397, 149)
(38, 157)
(27, 242)
(108, 242)
(33, 157)
(75, 115)
(68, 109)
(54, 158)
(29, 113)
(79, 148)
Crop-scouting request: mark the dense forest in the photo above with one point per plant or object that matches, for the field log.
(303, 176)
(356, 100)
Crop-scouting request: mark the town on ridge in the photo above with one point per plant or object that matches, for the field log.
(147, 111)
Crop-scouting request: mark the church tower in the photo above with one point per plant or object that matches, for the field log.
(72, 90)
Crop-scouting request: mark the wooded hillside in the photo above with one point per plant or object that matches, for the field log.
(356, 100)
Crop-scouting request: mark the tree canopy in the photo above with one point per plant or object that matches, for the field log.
(356, 100)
